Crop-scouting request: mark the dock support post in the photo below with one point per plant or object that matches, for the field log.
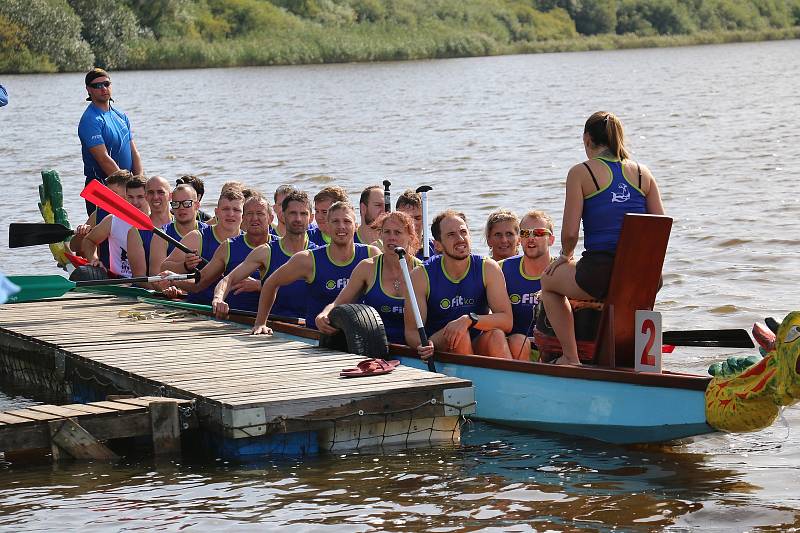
(166, 424)
(68, 437)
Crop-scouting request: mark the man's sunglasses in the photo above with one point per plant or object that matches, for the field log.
(534, 232)
(175, 204)
(100, 84)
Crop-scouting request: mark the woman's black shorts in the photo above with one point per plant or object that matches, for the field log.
(593, 273)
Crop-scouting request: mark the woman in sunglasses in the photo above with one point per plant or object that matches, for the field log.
(523, 278)
(600, 192)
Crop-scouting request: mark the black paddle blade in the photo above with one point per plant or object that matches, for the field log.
(31, 234)
(711, 338)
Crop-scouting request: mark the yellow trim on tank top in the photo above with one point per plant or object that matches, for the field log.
(327, 252)
(383, 290)
(464, 275)
(522, 271)
(280, 244)
(605, 161)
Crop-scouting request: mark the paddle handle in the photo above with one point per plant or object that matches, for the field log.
(423, 336)
(142, 279)
(178, 244)
(426, 228)
(387, 196)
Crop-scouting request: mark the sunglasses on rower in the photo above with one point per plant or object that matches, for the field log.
(534, 232)
(175, 204)
(100, 84)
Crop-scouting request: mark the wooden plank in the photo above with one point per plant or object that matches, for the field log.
(117, 406)
(32, 415)
(57, 410)
(89, 408)
(11, 419)
(69, 437)
(166, 428)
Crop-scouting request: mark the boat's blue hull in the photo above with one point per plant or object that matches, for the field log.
(609, 411)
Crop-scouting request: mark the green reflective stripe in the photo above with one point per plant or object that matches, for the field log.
(522, 271)
(464, 275)
(328, 253)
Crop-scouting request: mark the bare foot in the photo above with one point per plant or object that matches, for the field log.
(564, 361)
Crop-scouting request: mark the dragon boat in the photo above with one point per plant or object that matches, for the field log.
(606, 399)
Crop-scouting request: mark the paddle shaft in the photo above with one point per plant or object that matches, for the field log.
(426, 229)
(387, 196)
(208, 309)
(141, 279)
(423, 336)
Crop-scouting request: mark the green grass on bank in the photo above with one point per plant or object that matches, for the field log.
(164, 34)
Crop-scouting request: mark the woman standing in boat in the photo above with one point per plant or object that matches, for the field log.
(600, 192)
(379, 280)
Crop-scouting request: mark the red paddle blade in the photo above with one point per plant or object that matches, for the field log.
(76, 260)
(667, 348)
(102, 196)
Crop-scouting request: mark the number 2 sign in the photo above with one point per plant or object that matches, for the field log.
(648, 341)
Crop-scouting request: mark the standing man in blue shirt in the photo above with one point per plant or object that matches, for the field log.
(105, 132)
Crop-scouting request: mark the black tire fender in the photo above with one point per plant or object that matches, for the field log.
(361, 331)
(88, 272)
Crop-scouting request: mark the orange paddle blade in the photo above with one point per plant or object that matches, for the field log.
(102, 196)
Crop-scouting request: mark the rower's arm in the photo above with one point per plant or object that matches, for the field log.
(573, 209)
(209, 274)
(176, 259)
(258, 259)
(653, 196)
(77, 240)
(300, 266)
(420, 283)
(136, 256)
(98, 234)
(501, 316)
(158, 253)
(352, 292)
(136, 167)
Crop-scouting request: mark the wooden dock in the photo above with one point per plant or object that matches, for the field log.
(253, 395)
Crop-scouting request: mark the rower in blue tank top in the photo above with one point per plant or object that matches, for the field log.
(292, 299)
(238, 249)
(172, 230)
(610, 185)
(450, 298)
(209, 242)
(390, 307)
(102, 248)
(522, 291)
(329, 278)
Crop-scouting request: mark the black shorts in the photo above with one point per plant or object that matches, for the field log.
(593, 273)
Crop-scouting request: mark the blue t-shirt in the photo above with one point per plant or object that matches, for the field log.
(522, 291)
(450, 298)
(111, 128)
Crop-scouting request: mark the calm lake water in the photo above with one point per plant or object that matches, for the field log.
(718, 127)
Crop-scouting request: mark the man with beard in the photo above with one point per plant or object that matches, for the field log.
(157, 194)
(105, 132)
(326, 270)
(184, 204)
(370, 206)
(523, 275)
(455, 292)
(291, 299)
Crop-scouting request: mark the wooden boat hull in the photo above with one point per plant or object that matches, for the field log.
(622, 413)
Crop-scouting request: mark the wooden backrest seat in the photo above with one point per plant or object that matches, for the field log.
(635, 281)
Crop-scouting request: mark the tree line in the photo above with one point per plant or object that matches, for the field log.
(73, 35)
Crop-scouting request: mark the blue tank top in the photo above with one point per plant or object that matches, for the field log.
(329, 279)
(273, 233)
(147, 237)
(291, 299)
(172, 230)
(102, 248)
(238, 249)
(389, 307)
(522, 291)
(449, 299)
(316, 236)
(209, 242)
(604, 210)
(431, 249)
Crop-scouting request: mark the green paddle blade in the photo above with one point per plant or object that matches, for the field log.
(34, 288)
(24, 234)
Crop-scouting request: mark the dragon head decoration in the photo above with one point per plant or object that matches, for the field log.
(51, 206)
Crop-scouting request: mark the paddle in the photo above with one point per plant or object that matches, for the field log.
(387, 196)
(711, 338)
(206, 309)
(102, 196)
(423, 337)
(38, 287)
(31, 234)
(426, 229)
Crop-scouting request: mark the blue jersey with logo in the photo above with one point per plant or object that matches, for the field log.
(388, 306)
(110, 128)
(172, 230)
(238, 249)
(273, 234)
(329, 279)
(209, 242)
(604, 210)
(449, 299)
(291, 299)
(522, 291)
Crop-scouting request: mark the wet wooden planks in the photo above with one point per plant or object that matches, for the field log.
(239, 380)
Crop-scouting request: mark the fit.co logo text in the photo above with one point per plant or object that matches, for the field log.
(332, 284)
(456, 301)
(527, 298)
(397, 309)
